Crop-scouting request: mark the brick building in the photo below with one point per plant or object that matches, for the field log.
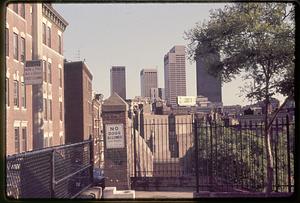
(33, 31)
(98, 130)
(78, 101)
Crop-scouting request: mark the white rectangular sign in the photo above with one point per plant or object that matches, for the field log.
(186, 100)
(33, 72)
(114, 136)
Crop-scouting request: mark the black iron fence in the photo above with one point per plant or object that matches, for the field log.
(56, 172)
(209, 156)
(234, 158)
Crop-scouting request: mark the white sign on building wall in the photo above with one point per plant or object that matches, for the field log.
(33, 72)
(114, 136)
(186, 100)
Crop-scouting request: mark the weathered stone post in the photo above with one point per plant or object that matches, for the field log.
(116, 146)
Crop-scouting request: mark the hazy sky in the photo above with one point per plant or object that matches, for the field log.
(136, 36)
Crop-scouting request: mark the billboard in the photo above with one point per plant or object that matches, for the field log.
(33, 72)
(186, 100)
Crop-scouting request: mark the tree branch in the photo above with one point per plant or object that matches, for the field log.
(277, 111)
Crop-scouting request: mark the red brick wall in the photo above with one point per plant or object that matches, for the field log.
(16, 67)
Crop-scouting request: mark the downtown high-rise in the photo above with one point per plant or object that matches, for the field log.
(148, 81)
(118, 81)
(207, 85)
(175, 74)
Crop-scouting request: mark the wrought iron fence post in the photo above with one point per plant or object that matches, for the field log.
(288, 152)
(52, 175)
(134, 148)
(211, 158)
(196, 153)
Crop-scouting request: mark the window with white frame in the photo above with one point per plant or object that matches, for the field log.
(16, 93)
(23, 94)
(17, 140)
(24, 139)
(23, 50)
(16, 46)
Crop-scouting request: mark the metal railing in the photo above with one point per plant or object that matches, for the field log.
(56, 172)
(217, 157)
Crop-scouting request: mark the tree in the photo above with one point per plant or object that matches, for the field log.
(255, 40)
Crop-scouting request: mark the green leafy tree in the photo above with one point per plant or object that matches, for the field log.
(255, 40)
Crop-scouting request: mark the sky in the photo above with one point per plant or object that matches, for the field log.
(136, 36)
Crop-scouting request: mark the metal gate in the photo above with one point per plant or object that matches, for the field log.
(187, 153)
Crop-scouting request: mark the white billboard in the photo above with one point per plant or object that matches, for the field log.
(114, 136)
(186, 100)
(33, 72)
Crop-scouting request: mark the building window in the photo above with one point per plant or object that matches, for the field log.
(60, 77)
(60, 111)
(24, 139)
(23, 10)
(16, 47)
(45, 141)
(17, 140)
(45, 109)
(49, 37)
(15, 7)
(23, 57)
(6, 41)
(44, 33)
(50, 109)
(50, 141)
(16, 93)
(49, 73)
(23, 94)
(61, 140)
(59, 44)
(45, 70)
(7, 91)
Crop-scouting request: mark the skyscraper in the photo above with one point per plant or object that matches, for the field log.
(175, 75)
(118, 81)
(207, 85)
(148, 81)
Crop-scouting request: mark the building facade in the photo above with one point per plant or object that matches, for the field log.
(98, 130)
(118, 81)
(207, 85)
(78, 102)
(148, 81)
(175, 74)
(34, 32)
(157, 93)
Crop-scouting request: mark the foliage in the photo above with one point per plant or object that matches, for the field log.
(256, 39)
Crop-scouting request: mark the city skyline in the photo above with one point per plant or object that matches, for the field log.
(135, 36)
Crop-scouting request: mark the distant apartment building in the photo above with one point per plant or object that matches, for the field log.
(78, 102)
(175, 74)
(97, 125)
(118, 81)
(207, 85)
(148, 81)
(34, 32)
(156, 93)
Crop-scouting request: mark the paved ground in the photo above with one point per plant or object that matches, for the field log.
(162, 195)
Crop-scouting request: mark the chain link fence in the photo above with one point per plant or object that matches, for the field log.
(57, 172)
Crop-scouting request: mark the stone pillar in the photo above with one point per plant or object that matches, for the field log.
(116, 143)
